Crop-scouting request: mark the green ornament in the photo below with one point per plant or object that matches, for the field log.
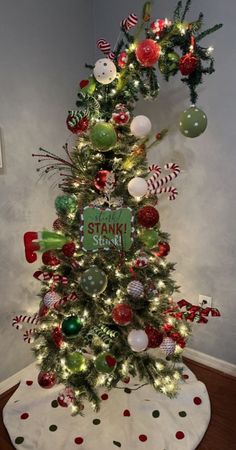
(75, 361)
(105, 363)
(71, 326)
(149, 237)
(193, 122)
(169, 63)
(50, 240)
(93, 281)
(65, 204)
(88, 86)
(103, 136)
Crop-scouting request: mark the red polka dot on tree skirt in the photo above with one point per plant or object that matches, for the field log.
(185, 376)
(126, 413)
(126, 380)
(79, 440)
(142, 437)
(24, 416)
(179, 435)
(197, 401)
(104, 396)
(29, 382)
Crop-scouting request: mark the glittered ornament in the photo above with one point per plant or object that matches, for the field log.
(88, 86)
(122, 60)
(149, 237)
(162, 249)
(169, 63)
(147, 52)
(93, 281)
(50, 299)
(103, 136)
(50, 259)
(155, 338)
(100, 179)
(168, 346)
(188, 64)
(46, 379)
(122, 314)
(138, 340)
(69, 249)
(121, 115)
(77, 125)
(148, 216)
(104, 71)
(66, 397)
(135, 289)
(57, 225)
(141, 262)
(193, 122)
(65, 204)
(57, 337)
(140, 126)
(105, 362)
(75, 361)
(137, 187)
(71, 326)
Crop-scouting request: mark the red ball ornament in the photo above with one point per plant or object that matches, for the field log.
(100, 179)
(49, 258)
(162, 249)
(77, 126)
(188, 64)
(57, 225)
(155, 338)
(66, 397)
(122, 314)
(69, 249)
(46, 379)
(148, 216)
(159, 25)
(122, 60)
(57, 337)
(148, 52)
(121, 117)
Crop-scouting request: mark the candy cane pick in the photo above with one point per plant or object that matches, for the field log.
(130, 22)
(156, 184)
(104, 46)
(19, 320)
(28, 336)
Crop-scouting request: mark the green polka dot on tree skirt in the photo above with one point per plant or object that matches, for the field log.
(127, 391)
(182, 414)
(54, 404)
(93, 281)
(156, 413)
(193, 122)
(19, 440)
(96, 421)
(117, 444)
(53, 428)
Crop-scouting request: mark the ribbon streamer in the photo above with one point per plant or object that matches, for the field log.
(69, 298)
(156, 185)
(47, 276)
(104, 46)
(197, 312)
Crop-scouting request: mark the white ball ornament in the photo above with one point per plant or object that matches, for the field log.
(168, 346)
(50, 299)
(137, 187)
(135, 289)
(104, 71)
(140, 126)
(138, 340)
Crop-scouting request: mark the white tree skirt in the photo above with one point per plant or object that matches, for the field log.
(142, 419)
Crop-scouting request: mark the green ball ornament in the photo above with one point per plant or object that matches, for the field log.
(65, 204)
(149, 237)
(169, 63)
(105, 363)
(103, 136)
(75, 361)
(71, 326)
(193, 122)
(93, 281)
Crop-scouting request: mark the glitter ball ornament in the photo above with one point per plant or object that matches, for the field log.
(103, 136)
(69, 249)
(122, 314)
(50, 259)
(50, 299)
(77, 126)
(122, 60)
(147, 52)
(75, 362)
(88, 86)
(71, 326)
(193, 122)
(104, 71)
(135, 289)
(162, 249)
(138, 340)
(66, 397)
(46, 379)
(65, 204)
(93, 281)
(100, 179)
(148, 216)
(140, 126)
(141, 262)
(168, 346)
(121, 115)
(137, 187)
(188, 64)
(148, 237)
(155, 338)
(105, 363)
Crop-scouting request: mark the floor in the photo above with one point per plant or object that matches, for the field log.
(221, 434)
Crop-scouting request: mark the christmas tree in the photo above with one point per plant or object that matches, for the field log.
(107, 287)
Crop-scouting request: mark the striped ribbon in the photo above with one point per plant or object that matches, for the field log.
(156, 184)
(19, 320)
(47, 276)
(130, 22)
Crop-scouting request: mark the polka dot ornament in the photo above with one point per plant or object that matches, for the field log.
(193, 122)
(93, 281)
(104, 71)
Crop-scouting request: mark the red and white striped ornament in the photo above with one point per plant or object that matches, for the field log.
(47, 276)
(28, 335)
(69, 298)
(18, 321)
(104, 46)
(157, 186)
(130, 22)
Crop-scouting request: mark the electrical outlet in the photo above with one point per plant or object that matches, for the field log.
(205, 301)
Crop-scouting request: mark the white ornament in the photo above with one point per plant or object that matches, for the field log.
(51, 298)
(104, 71)
(138, 340)
(140, 126)
(137, 187)
(168, 346)
(135, 289)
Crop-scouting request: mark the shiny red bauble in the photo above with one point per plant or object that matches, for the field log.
(155, 338)
(162, 249)
(46, 379)
(77, 126)
(100, 179)
(147, 52)
(148, 216)
(188, 64)
(49, 258)
(122, 314)
(68, 249)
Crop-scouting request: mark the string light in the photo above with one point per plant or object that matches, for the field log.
(210, 50)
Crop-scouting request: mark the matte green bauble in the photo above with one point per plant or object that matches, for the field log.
(169, 63)
(105, 363)
(75, 361)
(93, 281)
(88, 86)
(71, 326)
(65, 204)
(103, 136)
(193, 122)
(148, 237)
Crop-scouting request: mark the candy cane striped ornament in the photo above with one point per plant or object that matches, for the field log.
(28, 336)
(156, 185)
(69, 298)
(130, 22)
(47, 276)
(18, 321)
(104, 46)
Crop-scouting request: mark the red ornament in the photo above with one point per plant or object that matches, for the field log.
(43, 311)
(111, 362)
(77, 126)
(100, 179)
(66, 397)
(155, 338)
(148, 216)
(122, 60)
(148, 52)
(49, 258)
(122, 314)
(57, 337)
(68, 249)
(46, 379)
(57, 225)
(158, 26)
(83, 83)
(121, 116)
(162, 249)
(188, 64)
